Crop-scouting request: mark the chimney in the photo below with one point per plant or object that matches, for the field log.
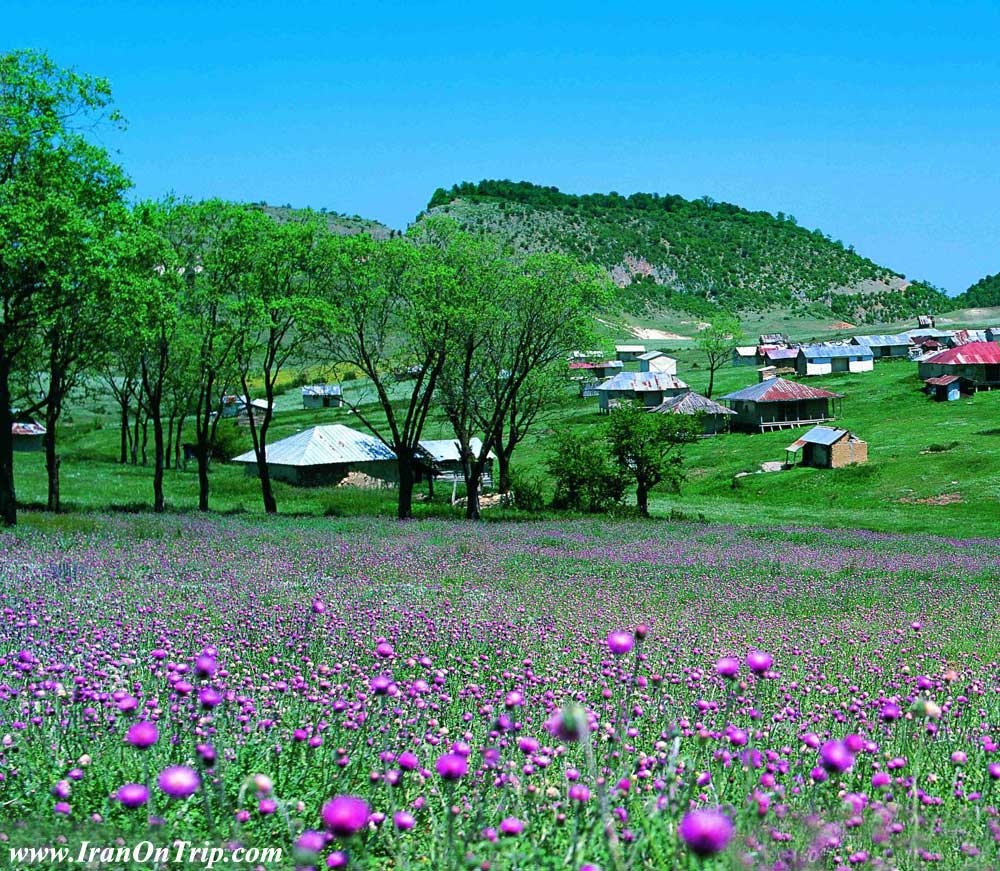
(766, 372)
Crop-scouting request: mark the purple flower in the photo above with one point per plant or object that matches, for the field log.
(511, 826)
(310, 843)
(836, 757)
(706, 832)
(403, 820)
(452, 766)
(345, 815)
(132, 795)
(142, 735)
(728, 667)
(758, 661)
(620, 642)
(179, 781)
(993, 769)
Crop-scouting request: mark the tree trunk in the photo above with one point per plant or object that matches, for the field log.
(123, 447)
(473, 477)
(503, 471)
(711, 381)
(158, 502)
(145, 437)
(168, 452)
(202, 452)
(178, 447)
(8, 498)
(135, 436)
(404, 510)
(642, 499)
(51, 456)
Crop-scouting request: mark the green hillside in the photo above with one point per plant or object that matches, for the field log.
(344, 225)
(692, 255)
(985, 293)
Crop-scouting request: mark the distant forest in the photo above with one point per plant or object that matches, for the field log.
(695, 255)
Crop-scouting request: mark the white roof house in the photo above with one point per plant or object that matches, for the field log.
(657, 361)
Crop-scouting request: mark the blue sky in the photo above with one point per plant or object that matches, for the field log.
(877, 122)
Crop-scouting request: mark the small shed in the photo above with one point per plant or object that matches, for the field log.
(777, 403)
(824, 359)
(781, 358)
(825, 447)
(323, 455)
(322, 396)
(236, 406)
(715, 417)
(945, 388)
(926, 321)
(28, 436)
(776, 339)
(629, 353)
(657, 361)
(441, 459)
(745, 355)
(648, 389)
(993, 334)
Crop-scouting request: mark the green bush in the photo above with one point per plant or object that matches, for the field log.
(586, 478)
(527, 491)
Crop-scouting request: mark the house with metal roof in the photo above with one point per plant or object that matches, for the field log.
(826, 358)
(657, 361)
(947, 388)
(777, 403)
(648, 389)
(977, 362)
(322, 396)
(595, 369)
(325, 455)
(441, 459)
(28, 436)
(885, 347)
(715, 417)
(629, 353)
(782, 358)
(745, 355)
(825, 447)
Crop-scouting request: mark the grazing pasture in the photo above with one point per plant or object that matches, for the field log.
(365, 694)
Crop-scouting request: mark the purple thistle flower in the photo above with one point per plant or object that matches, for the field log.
(706, 832)
(836, 757)
(452, 766)
(345, 815)
(179, 781)
(728, 667)
(759, 662)
(142, 735)
(132, 795)
(620, 642)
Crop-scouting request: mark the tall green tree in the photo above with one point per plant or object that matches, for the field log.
(716, 342)
(392, 309)
(54, 188)
(280, 311)
(648, 447)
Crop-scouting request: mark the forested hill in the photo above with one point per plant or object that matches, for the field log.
(985, 293)
(664, 250)
(344, 225)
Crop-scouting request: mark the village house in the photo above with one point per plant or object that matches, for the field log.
(629, 353)
(825, 447)
(602, 369)
(778, 340)
(745, 355)
(714, 417)
(649, 389)
(322, 396)
(28, 436)
(926, 321)
(236, 406)
(777, 403)
(885, 347)
(825, 359)
(324, 455)
(441, 460)
(657, 361)
(780, 357)
(977, 362)
(993, 334)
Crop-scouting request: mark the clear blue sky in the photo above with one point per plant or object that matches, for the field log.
(878, 122)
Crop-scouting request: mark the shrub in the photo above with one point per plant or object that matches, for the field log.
(586, 478)
(527, 491)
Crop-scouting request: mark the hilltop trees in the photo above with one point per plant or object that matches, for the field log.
(59, 200)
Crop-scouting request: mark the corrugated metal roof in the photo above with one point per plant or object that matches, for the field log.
(972, 354)
(746, 350)
(447, 450)
(882, 341)
(607, 364)
(323, 446)
(652, 355)
(826, 351)
(822, 435)
(631, 349)
(781, 353)
(28, 428)
(942, 380)
(966, 337)
(321, 390)
(691, 403)
(640, 382)
(780, 390)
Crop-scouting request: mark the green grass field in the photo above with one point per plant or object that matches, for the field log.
(921, 453)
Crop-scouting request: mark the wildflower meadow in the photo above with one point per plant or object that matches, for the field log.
(579, 694)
